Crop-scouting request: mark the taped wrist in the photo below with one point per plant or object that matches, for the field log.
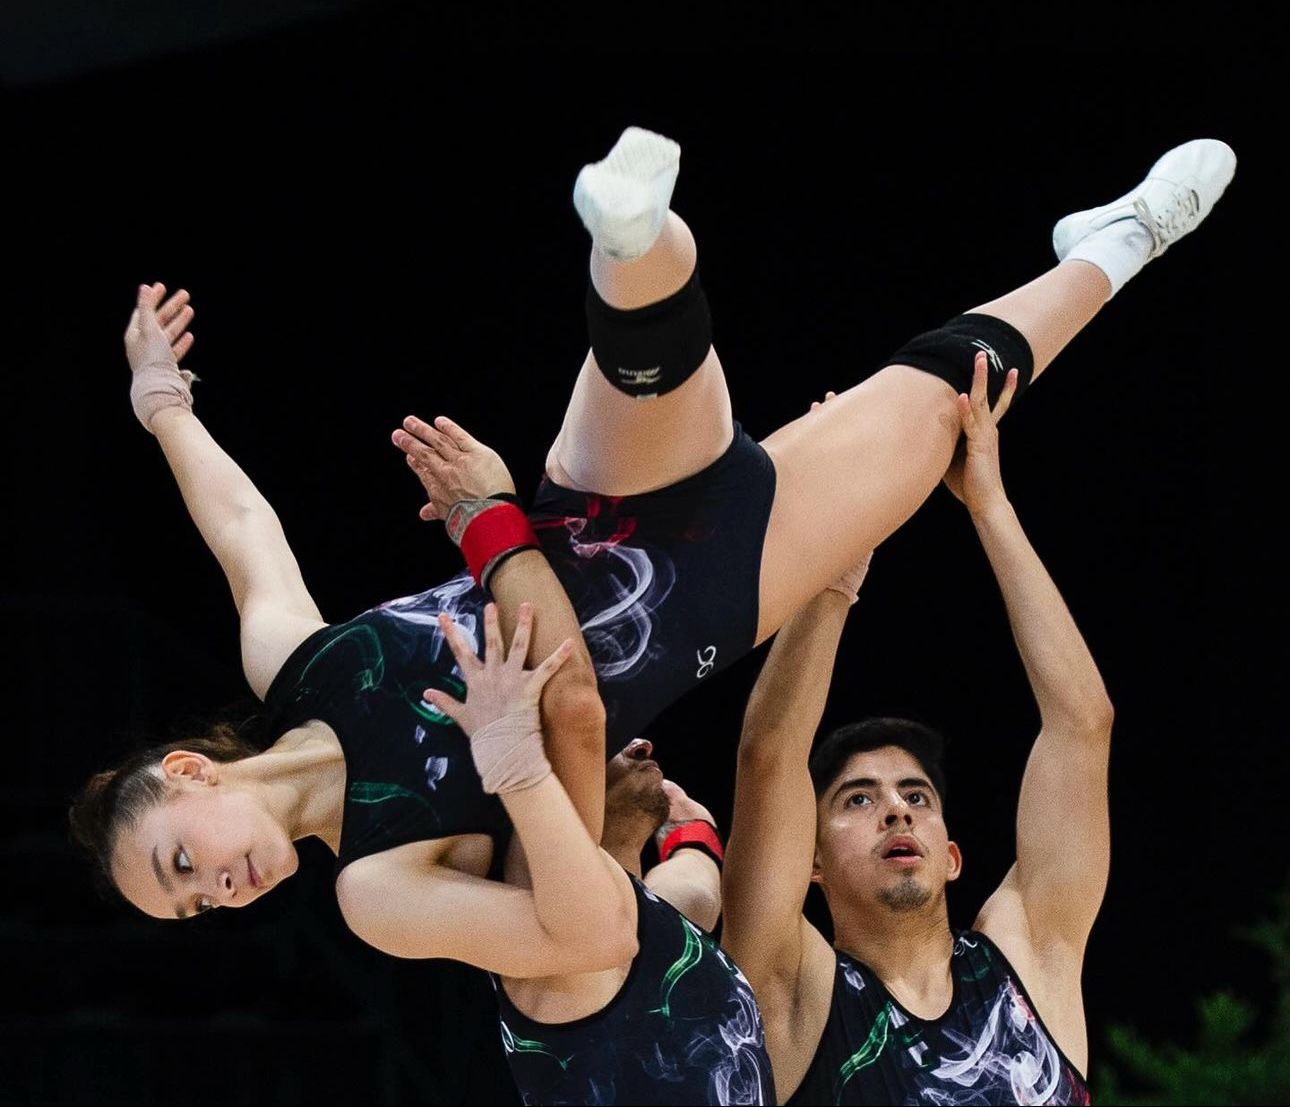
(849, 582)
(508, 754)
(160, 383)
(489, 531)
(695, 834)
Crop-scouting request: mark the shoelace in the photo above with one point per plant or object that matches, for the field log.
(1174, 219)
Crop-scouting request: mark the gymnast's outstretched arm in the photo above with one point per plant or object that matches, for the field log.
(1042, 913)
(235, 520)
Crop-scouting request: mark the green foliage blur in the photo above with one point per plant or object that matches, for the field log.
(1228, 1064)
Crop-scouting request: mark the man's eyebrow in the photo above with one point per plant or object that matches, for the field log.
(869, 782)
(855, 782)
(166, 886)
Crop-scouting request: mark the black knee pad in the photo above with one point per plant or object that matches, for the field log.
(651, 350)
(949, 352)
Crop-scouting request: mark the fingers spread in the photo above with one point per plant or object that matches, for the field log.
(466, 658)
(980, 373)
(520, 640)
(1005, 398)
(493, 646)
(548, 668)
(443, 703)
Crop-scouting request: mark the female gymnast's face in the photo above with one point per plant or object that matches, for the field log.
(880, 834)
(208, 844)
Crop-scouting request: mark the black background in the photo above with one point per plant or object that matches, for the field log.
(372, 211)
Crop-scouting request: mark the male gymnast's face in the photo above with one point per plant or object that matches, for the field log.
(881, 838)
(207, 844)
(634, 785)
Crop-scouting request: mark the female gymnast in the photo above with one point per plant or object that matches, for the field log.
(680, 542)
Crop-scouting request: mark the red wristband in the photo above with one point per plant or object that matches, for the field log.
(492, 534)
(695, 834)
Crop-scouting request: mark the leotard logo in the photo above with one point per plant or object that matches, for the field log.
(706, 663)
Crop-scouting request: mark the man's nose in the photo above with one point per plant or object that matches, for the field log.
(897, 809)
(640, 749)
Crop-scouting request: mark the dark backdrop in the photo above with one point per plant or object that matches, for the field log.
(372, 211)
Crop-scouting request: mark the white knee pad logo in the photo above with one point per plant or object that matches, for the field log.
(705, 663)
(996, 362)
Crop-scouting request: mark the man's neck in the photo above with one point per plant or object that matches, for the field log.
(909, 951)
(623, 841)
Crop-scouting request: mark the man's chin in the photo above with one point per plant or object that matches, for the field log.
(905, 895)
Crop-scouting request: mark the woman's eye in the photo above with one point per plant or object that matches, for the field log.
(858, 798)
(919, 797)
(182, 864)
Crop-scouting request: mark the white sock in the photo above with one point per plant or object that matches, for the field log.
(1120, 250)
(623, 200)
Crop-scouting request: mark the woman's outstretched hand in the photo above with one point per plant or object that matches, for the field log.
(450, 464)
(973, 475)
(156, 340)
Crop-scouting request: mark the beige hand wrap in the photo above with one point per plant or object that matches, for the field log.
(508, 753)
(158, 380)
(849, 582)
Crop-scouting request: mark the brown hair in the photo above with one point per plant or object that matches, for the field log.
(922, 743)
(114, 800)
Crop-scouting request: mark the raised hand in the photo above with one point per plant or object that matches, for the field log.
(973, 475)
(500, 713)
(450, 464)
(681, 809)
(156, 339)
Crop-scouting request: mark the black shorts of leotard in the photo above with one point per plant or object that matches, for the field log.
(665, 585)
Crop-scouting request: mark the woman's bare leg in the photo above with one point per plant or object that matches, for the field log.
(1052, 309)
(851, 471)
(618, 444)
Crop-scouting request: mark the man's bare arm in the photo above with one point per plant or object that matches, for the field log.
(772, 835)
(452, 465)
(1063, 829)
(688, 879)
(1063, 821)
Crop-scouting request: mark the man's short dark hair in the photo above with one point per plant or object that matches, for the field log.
(924, 744)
